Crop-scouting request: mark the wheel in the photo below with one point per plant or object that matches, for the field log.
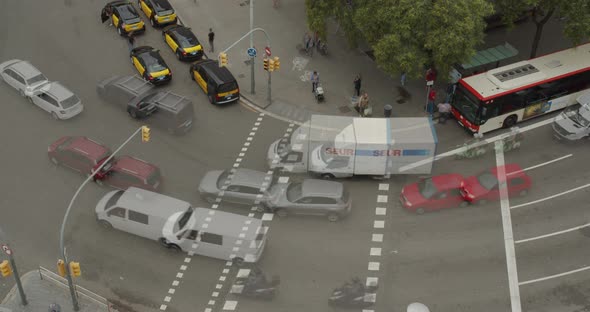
(178, 56)
(21, 92)
(54, 161)
(152, 22)
(333, 217)
(281, 213)
(29, 99)
(174, 247)
(509, 121)
(523, 193)
(132, 113)
(119, 31)
(327, 176)
(464, 204)
(211, 100)
(105, 224)
(207, 198)
(420, 211)
(54, 116)
(482, 202)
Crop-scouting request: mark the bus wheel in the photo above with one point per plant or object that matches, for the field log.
(509, 122)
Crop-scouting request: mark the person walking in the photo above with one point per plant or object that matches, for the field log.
(357, 85)
(315, 80)
(431, 99)
(403, 79)
(211, 39)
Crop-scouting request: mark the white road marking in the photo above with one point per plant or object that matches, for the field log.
(377, 238)
(378, 224)
(552, 234)
(380, 211)
(374, 266)
(375, 251)
(508, 235)
(381, 198)
(551, 197)
(383, 187)
(547, 162)
(554, 276)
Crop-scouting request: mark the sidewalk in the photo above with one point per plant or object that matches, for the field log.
(41, 292)
(291, 89)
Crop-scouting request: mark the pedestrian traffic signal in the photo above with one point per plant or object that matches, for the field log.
(222, 59)
(145, 134)
(277, 63)
(61, 268)
(266, 64)
(271, 65)
(5, 268)
(75, 269)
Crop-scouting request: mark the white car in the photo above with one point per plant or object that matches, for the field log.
(22, 76)
(57, 100)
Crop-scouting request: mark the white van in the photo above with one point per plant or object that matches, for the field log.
(176, 224)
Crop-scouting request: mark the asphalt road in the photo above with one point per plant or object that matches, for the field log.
(451, 260)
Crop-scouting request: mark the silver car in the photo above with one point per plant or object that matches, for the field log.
(244, 187)
(22, 76)
(57, 100)
(310, 197)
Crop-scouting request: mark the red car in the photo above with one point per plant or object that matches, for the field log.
(79, 153)
(484, 186)
(127, 171)
(434, 193)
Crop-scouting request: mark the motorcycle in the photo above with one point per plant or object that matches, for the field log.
(353, 294)
(256, 285)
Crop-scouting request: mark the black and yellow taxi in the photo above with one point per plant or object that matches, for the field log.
(159, 12)
(183, 42)
(217, 82)
(151, 65)
(125, 17)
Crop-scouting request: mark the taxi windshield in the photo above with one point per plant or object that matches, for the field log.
(152, 62)
(186, 39)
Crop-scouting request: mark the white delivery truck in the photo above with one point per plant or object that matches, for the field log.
(336, 146)
(574, 123)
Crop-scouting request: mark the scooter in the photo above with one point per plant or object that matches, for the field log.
(256, 285)
(353, 294)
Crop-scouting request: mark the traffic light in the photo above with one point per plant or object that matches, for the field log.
(5, 268)
(75, 269)
(145, 134)
(266, 64)
(222, 59)
(277, 63)
(61, 268)
(271, 65)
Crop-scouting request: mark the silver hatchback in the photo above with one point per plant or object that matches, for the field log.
(242, 187)
(22, 76)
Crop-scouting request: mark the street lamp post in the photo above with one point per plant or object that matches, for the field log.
(252, 80)
(8, 251)
(63, 224)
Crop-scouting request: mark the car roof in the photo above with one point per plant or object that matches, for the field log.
(136, 166)
(248, 177)
(162, 5)
(151, 203)
(447, 181)
(315, 187)
(90, 147)
(57, 90)
(25, 68)
(219, 74)
(229, 224)
(126, 10)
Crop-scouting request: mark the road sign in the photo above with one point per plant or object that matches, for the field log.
(6, 250)
(252, 52)
(267, 51)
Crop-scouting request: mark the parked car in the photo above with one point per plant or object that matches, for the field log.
(433, 193)
(159, 12)
(22, 76)
(183, 42)
(78, 152)
(310, 197)
(150, 65)
(483, 187)
(124, 17)
(127, 171)
(57, 100)
(139, 98)
(243, 187)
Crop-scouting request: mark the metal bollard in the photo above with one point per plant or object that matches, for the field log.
(387, 110)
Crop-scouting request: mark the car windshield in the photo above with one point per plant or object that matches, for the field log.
(153, 62)
(186, 39)
(166, 12)
(34, 80)
(283, 147)
(185, 217)
(69, 102)
(128, 14)
(487, 180)
(154, 178)
(230, 86)
(294, 192)
(222, 178)
(426, 188)
(466, 104)
(113, 200)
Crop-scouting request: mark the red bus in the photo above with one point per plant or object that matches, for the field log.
(504, 96)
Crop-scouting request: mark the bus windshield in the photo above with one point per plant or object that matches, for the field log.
(466, 104)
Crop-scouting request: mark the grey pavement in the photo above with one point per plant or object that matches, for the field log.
(42, 292)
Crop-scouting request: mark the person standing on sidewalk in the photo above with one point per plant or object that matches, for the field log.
(363, 104)
(357, 85)
(403, 79)
(315, 80)
(431, 99)
(211, 39)
(431, 74)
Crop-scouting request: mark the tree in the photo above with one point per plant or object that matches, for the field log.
(575, 12)
(406, 35)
